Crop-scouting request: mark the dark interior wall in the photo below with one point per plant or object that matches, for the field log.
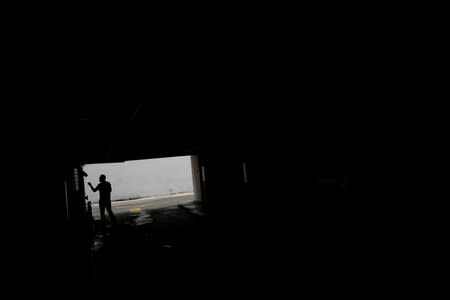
(224, 182)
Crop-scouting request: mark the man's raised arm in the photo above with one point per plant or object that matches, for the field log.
(92, 188)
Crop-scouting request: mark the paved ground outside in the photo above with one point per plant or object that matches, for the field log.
(136, 206)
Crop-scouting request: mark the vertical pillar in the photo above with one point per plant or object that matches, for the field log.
(196, 177)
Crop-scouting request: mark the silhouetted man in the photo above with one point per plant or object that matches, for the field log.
(104, 188)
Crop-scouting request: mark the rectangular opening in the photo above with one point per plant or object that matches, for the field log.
(143, 185)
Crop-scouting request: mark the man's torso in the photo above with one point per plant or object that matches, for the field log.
(104, 189)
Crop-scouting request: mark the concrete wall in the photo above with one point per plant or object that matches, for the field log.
(142, 178)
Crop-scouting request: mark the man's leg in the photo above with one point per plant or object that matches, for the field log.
(102, 216)
(110, 213)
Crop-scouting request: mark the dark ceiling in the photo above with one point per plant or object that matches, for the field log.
(118, 131)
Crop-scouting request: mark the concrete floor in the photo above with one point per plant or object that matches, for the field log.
(323, 246)
(154, 240)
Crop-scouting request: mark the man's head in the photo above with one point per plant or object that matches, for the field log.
(102, 178)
